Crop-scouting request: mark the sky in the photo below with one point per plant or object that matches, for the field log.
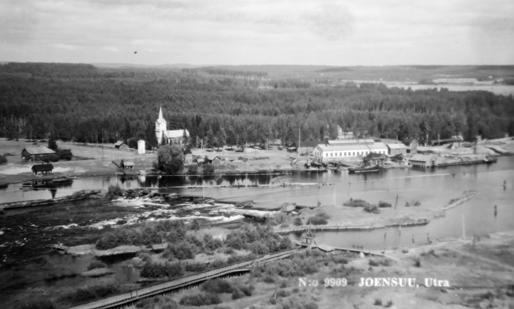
(234, 32)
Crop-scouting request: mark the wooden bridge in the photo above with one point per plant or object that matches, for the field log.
(170, 286)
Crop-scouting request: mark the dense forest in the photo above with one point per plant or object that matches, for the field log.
(91, 104)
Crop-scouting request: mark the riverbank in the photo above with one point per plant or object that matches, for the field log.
(96, 159)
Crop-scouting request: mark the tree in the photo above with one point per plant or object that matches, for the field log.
(170, 159)
(51, 143)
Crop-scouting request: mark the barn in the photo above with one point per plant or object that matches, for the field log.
(38, 153)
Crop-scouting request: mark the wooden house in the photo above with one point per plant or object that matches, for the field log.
(37, 153)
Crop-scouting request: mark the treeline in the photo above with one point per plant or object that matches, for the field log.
(87, 104)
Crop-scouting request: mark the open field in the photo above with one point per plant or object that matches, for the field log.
(88, 160)
(96, 159)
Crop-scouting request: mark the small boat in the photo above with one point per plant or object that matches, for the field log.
(48, 182)
(364, 170)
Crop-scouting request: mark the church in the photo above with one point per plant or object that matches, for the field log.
(165, 136)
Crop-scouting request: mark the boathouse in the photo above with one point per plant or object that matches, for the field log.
(422, 161)
(37, 153)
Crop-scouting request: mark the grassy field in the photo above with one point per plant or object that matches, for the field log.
(96, 159)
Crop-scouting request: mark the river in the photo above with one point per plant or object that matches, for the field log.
(434, 189)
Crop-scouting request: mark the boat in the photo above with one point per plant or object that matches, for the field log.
(48, 182)
(365, 169)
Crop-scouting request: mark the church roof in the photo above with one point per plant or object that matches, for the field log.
(176, 133)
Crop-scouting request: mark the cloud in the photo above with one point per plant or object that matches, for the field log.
(330, 21)
(258, 31)
(17, 21)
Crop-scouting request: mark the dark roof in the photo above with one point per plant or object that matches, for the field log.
(42, 167)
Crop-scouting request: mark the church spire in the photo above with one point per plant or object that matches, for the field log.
(160, 112)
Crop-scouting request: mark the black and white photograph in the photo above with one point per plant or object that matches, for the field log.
(256, 154)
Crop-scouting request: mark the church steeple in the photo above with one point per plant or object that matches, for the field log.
(160, 112)
(160, 127)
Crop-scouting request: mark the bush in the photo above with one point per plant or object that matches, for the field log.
(114, 191)
(237, 293)
(378, 302)
(417, 262)
(182, 250)
(96, 264)
(383, 204)
(200, 299)
(372, 209)
(53, 157)
(208, 169)
(211, 243)
(318, 219)
(91, 292)
(161, 302)
(64, 154)
(195, 267)
(157, 270)
(311, 306)
(380, 262)
(256, 238)
(52, 144)
(259, 248)
(192, 169)
(3, 159)
(107, 241)
(297, 221)
(356, 203)
(217, 286)
(170, 159)
(283, 293)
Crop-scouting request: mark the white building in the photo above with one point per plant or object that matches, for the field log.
(334, 152)
(165, 136)
(141, 147)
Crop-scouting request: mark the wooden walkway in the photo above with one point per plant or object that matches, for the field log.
(166, 287)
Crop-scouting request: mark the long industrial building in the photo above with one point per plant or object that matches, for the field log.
(339, 150)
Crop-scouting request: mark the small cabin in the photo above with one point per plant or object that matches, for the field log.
(422, 161)
(121, 145)
(395, 149)
(42, 169)
(127, 165)
(37, 153)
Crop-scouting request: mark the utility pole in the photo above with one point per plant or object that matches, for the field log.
(299, 141)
